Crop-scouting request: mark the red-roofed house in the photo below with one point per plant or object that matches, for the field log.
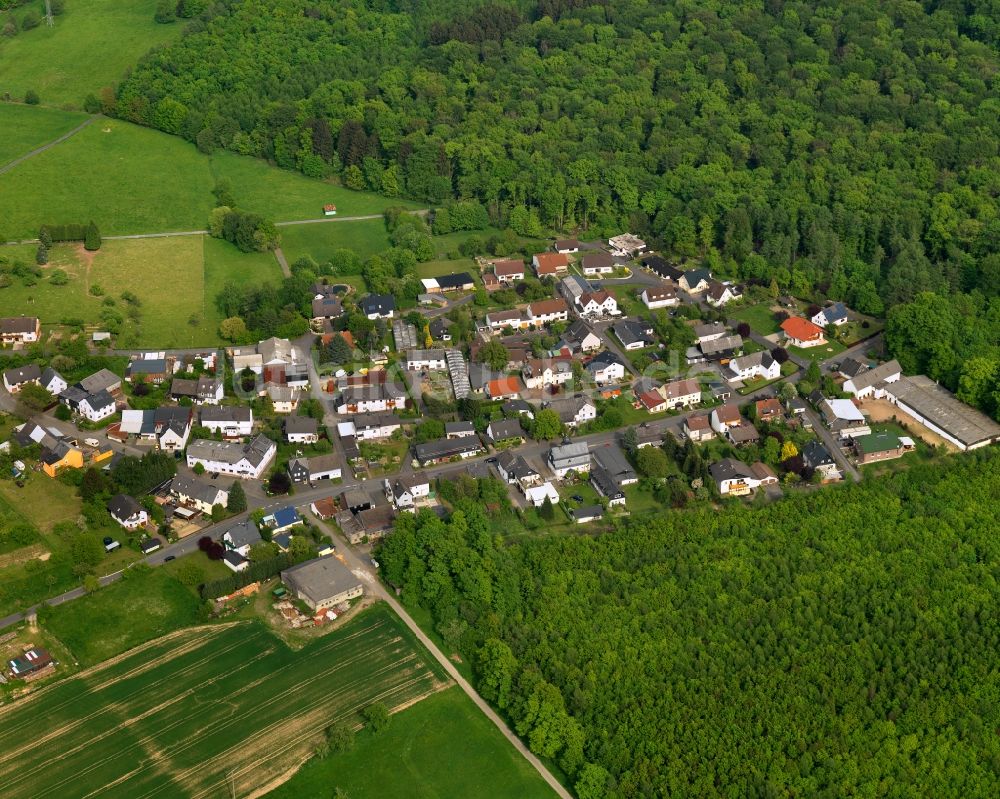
(504, 388)
(329, 210)
(801, 332)
(653, 402)
(768, 410)
(508, 271)
(549, 263)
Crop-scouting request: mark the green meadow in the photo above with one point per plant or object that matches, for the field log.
(441, 747)
(131, 179)
(26, 127)
(90, 46)
(176, 280)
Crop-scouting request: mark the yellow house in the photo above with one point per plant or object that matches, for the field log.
(101, 455)
(62, 456)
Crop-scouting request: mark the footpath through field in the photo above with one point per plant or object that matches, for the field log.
(21, 159)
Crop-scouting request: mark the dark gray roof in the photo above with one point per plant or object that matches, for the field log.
(728, 469)
(300, 424)
(320, 578)
(226, 413)
(605, 483)
(122, 506)
(23, 374)
(505, 428)
(587, 512)
(244, 533)
(446, 447)
(814, 455)
(377, 303)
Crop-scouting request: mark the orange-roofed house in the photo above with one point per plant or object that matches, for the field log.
(508, 271)
(769, 410)
(504, 388)
(801, 332)
(547, 264)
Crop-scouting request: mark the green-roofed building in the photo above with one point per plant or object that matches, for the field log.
(882, 446)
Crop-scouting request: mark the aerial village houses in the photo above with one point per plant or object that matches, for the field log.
(20, 330)
(504, 388)
(508, 271)
(627, 245)
(662, 296)
(881, 446)
(597, 263)
(167, 427)
(549, 264)
(566, 246)
(597, 303)
(755, 365)
(605, 368)
(695, 281)
(232, 421)
(573, 411)
(127, 512)
(579, 337)
(246, 461)
(801, 332)
(197, 494)
(873, 382)
(566, 458)
(833, 314)
(719, 294)
(17, 378)
(322, 583)
(204, 390)
(301, 430)
(378, 306)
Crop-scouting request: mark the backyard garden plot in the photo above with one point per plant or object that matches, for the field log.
(204, 712)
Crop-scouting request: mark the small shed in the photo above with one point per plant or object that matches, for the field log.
(329, 209)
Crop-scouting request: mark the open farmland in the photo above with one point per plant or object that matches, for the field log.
(205, 712)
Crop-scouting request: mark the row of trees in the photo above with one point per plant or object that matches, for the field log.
(790, 649)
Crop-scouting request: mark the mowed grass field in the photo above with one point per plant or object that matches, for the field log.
(440, 747)
(177, 280)
(89, 47)
(322, 240)
(130, 179)
(26, 127)
(204, 712)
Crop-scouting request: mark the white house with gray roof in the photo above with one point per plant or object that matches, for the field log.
(572, 457)
(246, 461)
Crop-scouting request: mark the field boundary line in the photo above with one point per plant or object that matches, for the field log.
(38, 150)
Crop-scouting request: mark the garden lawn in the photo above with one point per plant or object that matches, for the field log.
(26, 127)
(286, 196)
(122, 615)
(760, 317)
(441, 747)
(820, 353)
(320, 241)
(89, 47)
(42, 501)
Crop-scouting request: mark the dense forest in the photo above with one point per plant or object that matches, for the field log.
(845, 149)
(839, 643)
